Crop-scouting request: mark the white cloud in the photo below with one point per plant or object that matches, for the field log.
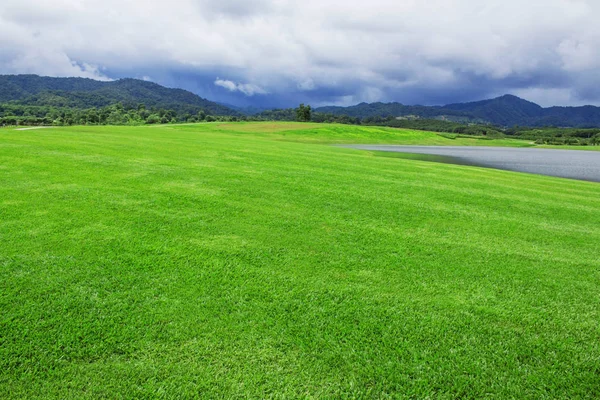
(579, 56)
(380, 50)
(248, 89)
(229, 85)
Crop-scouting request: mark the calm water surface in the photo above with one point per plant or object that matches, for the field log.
(574, 164)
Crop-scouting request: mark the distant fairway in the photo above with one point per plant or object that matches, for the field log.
(255, 260)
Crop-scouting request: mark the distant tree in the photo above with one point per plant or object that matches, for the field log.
(153, 119)
(303, 113)
(92, 117)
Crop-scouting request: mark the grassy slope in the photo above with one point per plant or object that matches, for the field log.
(188, 261)
(337, 133)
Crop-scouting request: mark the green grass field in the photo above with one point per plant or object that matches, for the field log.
(257, 261)
(336, 133)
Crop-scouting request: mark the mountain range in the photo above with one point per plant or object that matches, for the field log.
(506, 111)
(87, 93)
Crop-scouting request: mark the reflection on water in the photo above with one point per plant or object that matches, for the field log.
(574, 164)
(427, 157)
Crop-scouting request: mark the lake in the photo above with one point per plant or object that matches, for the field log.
(574, 164)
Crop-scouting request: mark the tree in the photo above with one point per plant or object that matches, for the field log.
(153, 119)
(303, 113)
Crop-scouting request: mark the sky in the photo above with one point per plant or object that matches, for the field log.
(278, 53)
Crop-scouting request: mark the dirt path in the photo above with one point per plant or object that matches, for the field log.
(32, 128)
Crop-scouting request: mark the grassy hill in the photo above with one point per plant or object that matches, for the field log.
(340, 134)
(33, 90)
(255, 260)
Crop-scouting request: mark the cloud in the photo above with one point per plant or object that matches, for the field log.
(248, 89)
(236, 8)
(316, 51)
(306, 85)
(229, 85)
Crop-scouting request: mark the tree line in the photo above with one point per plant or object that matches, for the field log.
(557, 136)
(116, 114)
(125, 114)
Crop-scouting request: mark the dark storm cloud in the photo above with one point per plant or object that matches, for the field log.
(271, 52)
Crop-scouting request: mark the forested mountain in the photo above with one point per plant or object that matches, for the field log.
(505, 111)
(248, 110)
(385, 110)
(82, 93)
(32, 95)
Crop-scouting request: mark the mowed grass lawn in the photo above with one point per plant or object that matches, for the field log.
(232, 260)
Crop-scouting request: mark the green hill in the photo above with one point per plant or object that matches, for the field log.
(33, 90)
